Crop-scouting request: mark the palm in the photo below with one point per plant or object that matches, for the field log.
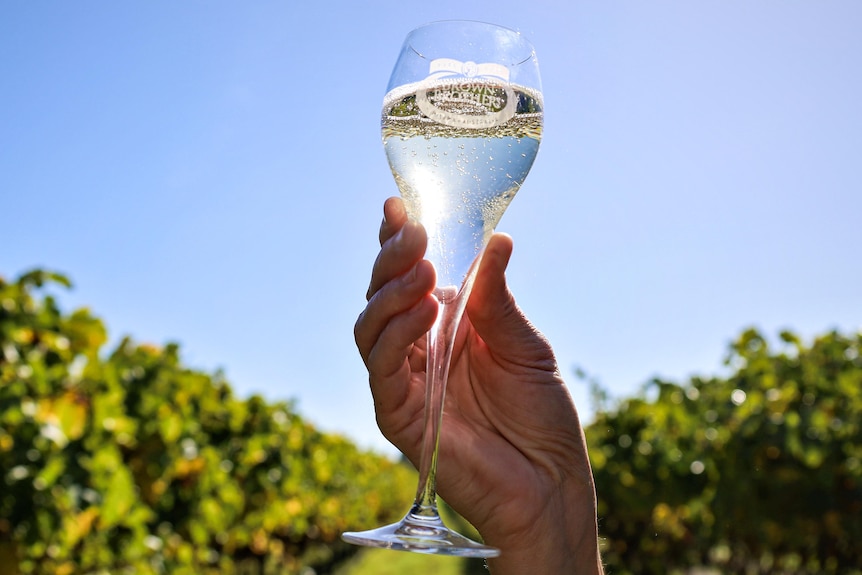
(494, 399)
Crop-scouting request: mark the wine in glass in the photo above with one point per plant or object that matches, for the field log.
(461, 123)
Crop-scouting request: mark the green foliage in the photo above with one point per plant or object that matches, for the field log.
(131, 462)
(758, 472)
(128, 461)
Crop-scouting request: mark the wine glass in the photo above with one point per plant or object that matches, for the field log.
(461, 123)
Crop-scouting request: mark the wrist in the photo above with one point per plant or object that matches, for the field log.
(549, 557)
(564, 541)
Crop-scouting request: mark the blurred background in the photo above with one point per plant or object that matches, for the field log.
(211, 174)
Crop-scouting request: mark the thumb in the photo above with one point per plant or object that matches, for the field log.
(493, 311)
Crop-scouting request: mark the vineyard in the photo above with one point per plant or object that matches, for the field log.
(126, 461)
(757, 472)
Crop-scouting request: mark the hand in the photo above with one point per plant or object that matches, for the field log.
(513, 459)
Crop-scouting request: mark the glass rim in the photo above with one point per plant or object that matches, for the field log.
(526, 42)
(468, 21)
(464, 21)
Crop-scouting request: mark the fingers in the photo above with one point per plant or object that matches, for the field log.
(400, 307)
(394, 216)
(403, 243)
(398, 314)
(490, 294)
(496, 316)
(398, 255)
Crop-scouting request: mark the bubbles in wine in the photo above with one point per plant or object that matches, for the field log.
(457, 178)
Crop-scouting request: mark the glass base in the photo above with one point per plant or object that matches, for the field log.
(420, 534)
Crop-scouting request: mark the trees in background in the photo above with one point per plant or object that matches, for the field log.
(756, 472)
(131, 462)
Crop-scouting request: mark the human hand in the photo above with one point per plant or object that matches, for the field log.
(513, 458)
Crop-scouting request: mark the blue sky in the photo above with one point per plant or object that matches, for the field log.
(211, 173)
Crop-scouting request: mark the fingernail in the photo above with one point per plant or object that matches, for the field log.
(391, 205)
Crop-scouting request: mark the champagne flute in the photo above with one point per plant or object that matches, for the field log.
(461, 123)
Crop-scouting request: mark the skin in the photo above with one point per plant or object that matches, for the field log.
(513, 460)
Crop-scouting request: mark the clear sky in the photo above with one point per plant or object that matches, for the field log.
(211, 173)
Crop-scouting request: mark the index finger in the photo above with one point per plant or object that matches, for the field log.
(394, 218)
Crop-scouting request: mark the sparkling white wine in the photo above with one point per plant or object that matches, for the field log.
(459, 151)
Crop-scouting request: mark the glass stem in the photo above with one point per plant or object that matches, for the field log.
(440, 343)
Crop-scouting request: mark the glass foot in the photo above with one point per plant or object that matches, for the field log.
(421, 535)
